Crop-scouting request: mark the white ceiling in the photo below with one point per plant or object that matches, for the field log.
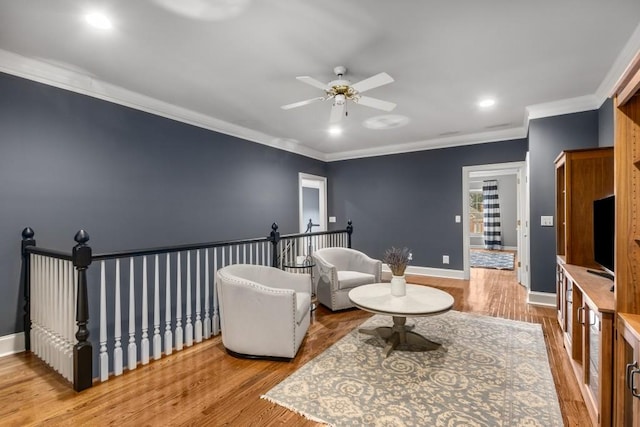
(229, 65)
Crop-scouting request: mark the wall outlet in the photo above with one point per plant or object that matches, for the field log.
(445, 259)
(332, 219)
(458, 218)
(546, 221)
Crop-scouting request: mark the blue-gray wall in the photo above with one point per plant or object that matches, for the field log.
(547, 138)
(605, 124)
(131, 179)
(411, 199)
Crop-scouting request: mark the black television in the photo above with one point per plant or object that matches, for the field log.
(604, 220)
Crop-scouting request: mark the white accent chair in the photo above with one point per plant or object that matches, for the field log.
(338, 270)
(264, 312)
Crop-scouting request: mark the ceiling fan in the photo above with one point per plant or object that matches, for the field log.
(341, 91)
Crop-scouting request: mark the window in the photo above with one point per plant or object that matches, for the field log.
(475, 211)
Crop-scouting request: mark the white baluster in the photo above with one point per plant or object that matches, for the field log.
(55, 318)
(144, 342)
(237, 254)
(117, 326)
(264, 260)
(133, 348)
(157, 340)
(179, 337)
(230, 255)
(43, 309)
(68, 319)
(188, 327)
(215, 319)
(222, 262)
(58, 316)
(33, 274)
(244, 253)
(62, 318)
(207, 320)
(104, 356)
(198, 323)
(251, 253)
(48, 310)
(168, 335)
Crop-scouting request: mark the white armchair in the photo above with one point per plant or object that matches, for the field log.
(264, 311)
(338, 270)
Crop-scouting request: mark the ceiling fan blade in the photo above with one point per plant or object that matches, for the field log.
(372, 82)
(337, 112)
(313, 82)
(301, 103)
(375, 103)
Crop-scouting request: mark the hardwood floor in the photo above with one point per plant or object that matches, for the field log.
(204, 386)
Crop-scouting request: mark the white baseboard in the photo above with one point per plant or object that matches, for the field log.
(543, 299)
(426, 271)
(11, 344)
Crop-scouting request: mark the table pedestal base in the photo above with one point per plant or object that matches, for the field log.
(401, 335)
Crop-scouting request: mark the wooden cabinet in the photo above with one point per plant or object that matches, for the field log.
(585, 303)
(582, 176)
(588, 326)
(628, 370)
(627, 258)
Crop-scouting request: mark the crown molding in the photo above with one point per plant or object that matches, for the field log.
(79, 82)
(432, 144)
(619, 67)
(563, 106)
(84, 84)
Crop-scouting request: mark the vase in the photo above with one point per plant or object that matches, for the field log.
(398, 286)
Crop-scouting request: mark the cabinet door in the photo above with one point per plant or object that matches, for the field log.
(568, 307)
(630, 396)
(560, 296)
(593, 326)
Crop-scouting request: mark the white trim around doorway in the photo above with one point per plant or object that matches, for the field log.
(516, 168)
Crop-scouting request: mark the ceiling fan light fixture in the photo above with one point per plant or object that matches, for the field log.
(335, 130)
(486, 103)
(339, 99)
(98, 20)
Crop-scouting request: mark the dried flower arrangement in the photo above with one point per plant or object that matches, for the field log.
(397, 260)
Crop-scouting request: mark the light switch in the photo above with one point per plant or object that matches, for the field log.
(332, 219)
(546, 221)
(458, 218)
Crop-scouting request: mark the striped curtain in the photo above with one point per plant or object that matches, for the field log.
(491, 215)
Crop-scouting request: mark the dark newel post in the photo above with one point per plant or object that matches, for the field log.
(27, 240)
(274, 238)
(82, 351)
(349, 233)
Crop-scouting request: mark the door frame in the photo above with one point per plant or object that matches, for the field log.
(313, 181)
(522, 201)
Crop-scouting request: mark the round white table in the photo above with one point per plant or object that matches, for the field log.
(419, 301)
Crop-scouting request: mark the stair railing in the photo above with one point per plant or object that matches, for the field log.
(166, 297)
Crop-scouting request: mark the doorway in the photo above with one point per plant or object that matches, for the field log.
(313, 202)
(514, 173)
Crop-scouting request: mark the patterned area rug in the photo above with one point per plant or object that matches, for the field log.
(497, 260)
(489, 372)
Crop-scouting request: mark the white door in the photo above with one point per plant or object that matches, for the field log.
(524, 248)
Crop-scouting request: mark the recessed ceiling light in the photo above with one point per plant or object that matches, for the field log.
(98, 20)
(487, 102)
(335, 130)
